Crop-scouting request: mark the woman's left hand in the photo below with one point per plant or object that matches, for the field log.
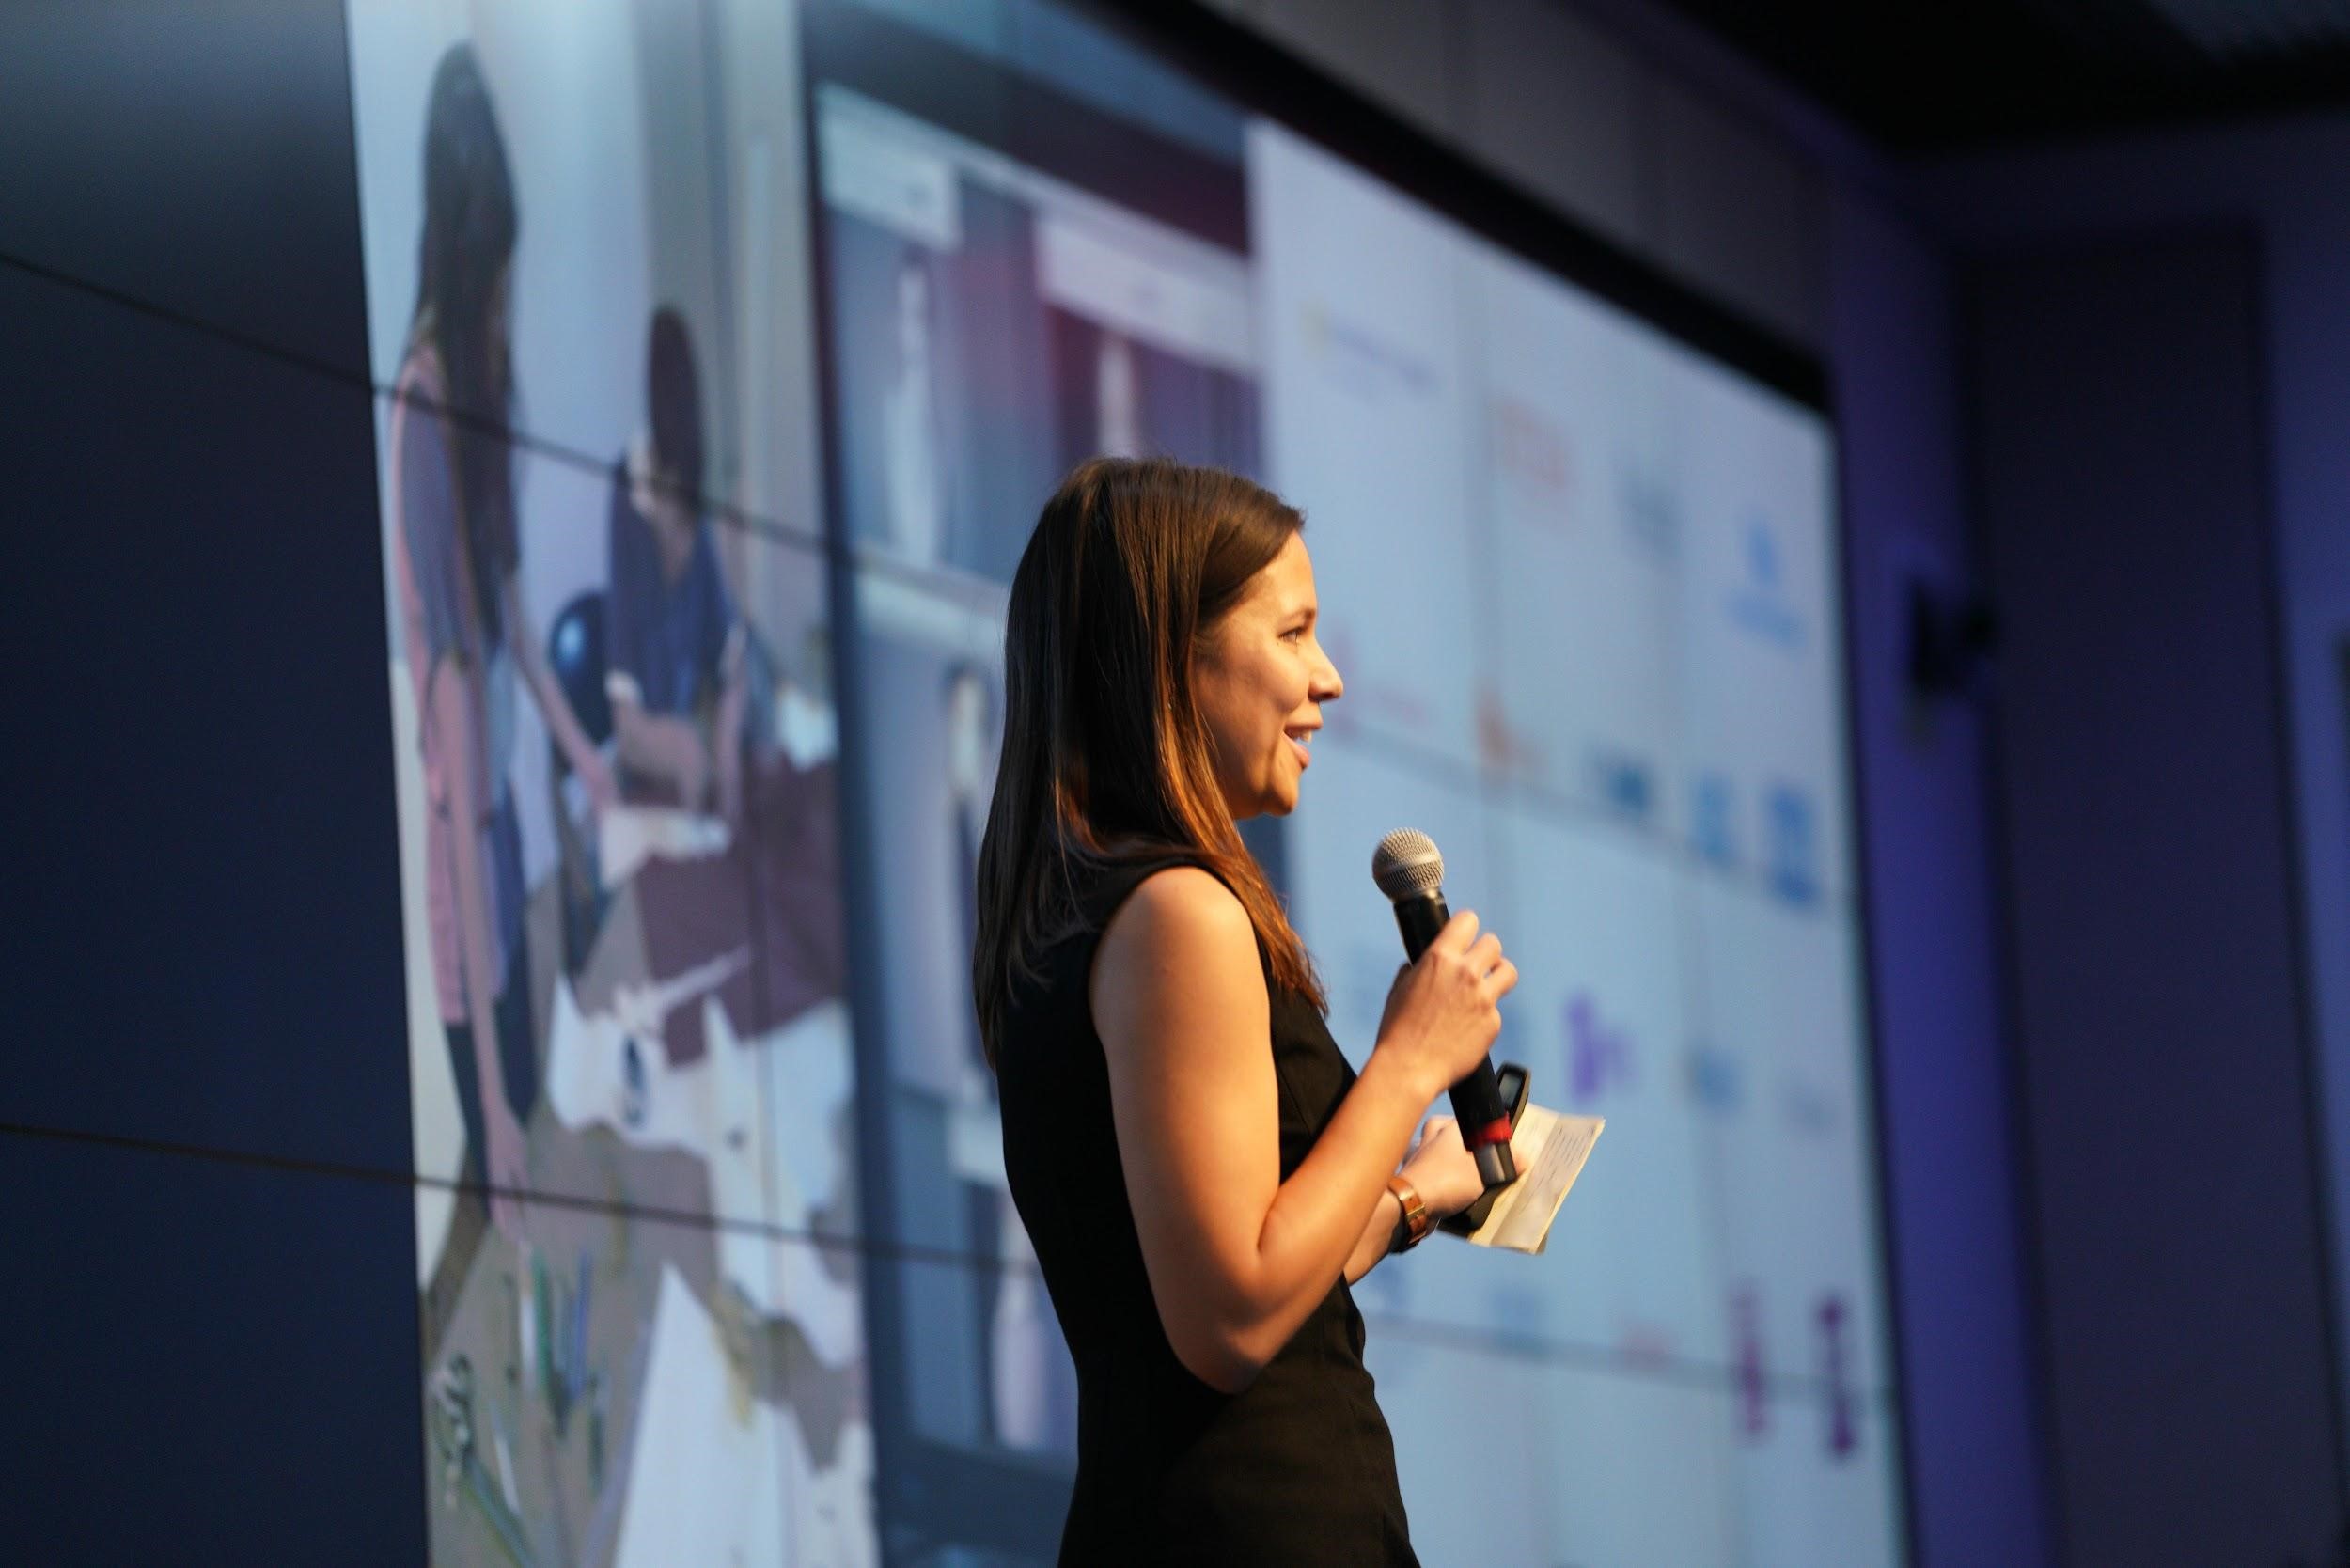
(1442, 1170)
(595, 776)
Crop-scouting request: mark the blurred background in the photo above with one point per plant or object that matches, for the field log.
(1836, 519)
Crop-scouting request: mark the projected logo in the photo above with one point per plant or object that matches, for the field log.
(1624, 784)
(1534, 458)
(1715, 1080)
(1748, 1368)
(1648, 509)
(1844, 1427)
(1599, 1053)
(1791, 843)
(1760, 606)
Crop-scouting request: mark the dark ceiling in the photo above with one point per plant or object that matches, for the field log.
(1937, 75)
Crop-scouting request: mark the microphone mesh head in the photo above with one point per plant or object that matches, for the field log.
(1407, 864)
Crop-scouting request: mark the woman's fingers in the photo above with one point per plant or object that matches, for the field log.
(1458, 932)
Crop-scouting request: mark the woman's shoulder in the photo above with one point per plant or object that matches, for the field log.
(1181, 941)
(1168, 879)
(1177, 917)
(1181, 898)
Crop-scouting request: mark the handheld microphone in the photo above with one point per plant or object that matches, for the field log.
(1410, 871)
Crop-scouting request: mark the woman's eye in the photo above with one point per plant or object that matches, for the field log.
(1293, 634)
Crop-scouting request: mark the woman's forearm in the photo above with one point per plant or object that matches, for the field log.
(544, 689)
(1377, 1236)
(1315, 1230)
(669, 748)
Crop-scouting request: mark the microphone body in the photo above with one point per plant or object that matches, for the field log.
(1476, 1099)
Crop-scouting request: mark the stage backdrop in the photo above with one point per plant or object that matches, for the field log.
(724, 353)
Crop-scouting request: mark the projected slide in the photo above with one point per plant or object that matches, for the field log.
(617, 753)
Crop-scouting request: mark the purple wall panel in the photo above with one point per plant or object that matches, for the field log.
(2289, 181)
(2122, 450)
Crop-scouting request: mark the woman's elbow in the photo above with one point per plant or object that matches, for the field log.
(1223, 1360)
(1216, 1318)
(1217, 1344)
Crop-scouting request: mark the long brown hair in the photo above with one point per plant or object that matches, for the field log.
(1106, 759)
(470, 226)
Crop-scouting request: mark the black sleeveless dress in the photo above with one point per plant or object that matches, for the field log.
(1296, 1469)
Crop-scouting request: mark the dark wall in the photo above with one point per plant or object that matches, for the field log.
(2122, 449)
(205, 1109)
(1977, 1481)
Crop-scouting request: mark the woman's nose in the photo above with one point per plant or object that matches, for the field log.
(1329, 685)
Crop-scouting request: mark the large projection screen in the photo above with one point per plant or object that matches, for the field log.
(703, 481)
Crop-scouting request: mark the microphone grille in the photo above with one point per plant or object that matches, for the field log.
(1407, 865)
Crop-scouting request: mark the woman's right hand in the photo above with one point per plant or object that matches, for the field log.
(1442, 1014)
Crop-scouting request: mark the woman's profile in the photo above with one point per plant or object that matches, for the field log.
(1202, 1173)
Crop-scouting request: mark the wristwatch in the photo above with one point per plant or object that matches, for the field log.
(1414, 1226)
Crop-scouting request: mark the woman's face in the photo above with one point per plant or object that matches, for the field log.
(1261, 679)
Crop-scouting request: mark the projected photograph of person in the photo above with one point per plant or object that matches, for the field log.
(640, 1294)
(1132, 377)
(995, 325)
(991, 1370)
(922, 318)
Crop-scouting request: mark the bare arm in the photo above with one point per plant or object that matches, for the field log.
(1386, 1214)
(562, 723)
(1237, 1257)
(663, 746)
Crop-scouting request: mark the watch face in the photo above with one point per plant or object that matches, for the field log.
(1415, 1211)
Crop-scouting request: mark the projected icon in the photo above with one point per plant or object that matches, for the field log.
(1746, 1365)
(1760, 605)
(1791, 843)
(1533, 451)
(1712, 830)
(1649, 508)
(1716, 1081)
(1835, 1318)
(1625, 784)
(1599, 1055)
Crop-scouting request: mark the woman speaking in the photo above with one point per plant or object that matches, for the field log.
(1201, 1172)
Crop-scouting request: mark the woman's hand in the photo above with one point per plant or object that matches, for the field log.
(1442, 1014)
(595, 776)
(1442, 1170)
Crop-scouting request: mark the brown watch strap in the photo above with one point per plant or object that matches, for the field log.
(1417, 1222)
